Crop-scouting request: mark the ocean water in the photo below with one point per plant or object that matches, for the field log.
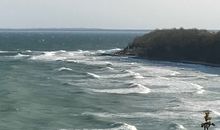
(65, 80)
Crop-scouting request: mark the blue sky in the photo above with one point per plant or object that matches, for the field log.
(111, 14)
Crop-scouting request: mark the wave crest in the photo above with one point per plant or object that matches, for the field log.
(116, 126)
(133, 89)
(64, 69)
(93, 75)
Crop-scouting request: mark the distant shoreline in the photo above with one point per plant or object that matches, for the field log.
(188, 62)
(175, 61)
(177, 45)
(70, 29)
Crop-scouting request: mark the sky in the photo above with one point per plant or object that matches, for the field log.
(110, 14)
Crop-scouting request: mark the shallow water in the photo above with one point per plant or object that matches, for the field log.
(82, 89)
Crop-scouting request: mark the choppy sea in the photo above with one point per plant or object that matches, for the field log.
(65, 80)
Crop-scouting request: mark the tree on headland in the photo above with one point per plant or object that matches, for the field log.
(177, 45)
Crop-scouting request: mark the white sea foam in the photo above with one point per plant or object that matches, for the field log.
(159, 71)
(120, 126)
(4, 51)
(216, 112)
(48, 56)
(87, 57)
(19, 55)
(200, 91)
(110, 68)
(133, 88)
(199, 88)
(60, 55)
(64, 69)
(28, 51)
(108, 63)
(111, 51)
(134, 74)
(160, 115)
(174, 73)
(119, 115)
(176, 126)
(93, 75)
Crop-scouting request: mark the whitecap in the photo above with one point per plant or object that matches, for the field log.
(174, 73)
(134, 74)
(138, 76)
(118, 115)
(108, 63)
(199, 88)
(110, 68)
(4, 51)
(29, 51)
(46, 56)
(200, 91)
(216, 112)
(64, 69)
(160, 71)
(133, 88)
(175, 126)
(93, 75)
(19, 55)
(73, 61)
(118, 126)
(63, 55)
(110, 51)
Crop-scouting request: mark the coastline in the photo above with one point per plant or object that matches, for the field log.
(184, 61)
(192, 46)
(124, 53)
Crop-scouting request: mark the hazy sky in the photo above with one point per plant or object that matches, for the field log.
(133, 14)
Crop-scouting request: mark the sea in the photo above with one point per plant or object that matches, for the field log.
(69, 80)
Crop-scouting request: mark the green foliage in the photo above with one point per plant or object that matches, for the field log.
(178, 44)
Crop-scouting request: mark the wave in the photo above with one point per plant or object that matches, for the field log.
(115, 126)
(4, 51)
(216, 112)
(28, 51)
(118, 115)
(70, 55)
(108, 63)
(175, 126)
(170, 85)
(160, 71)
(109, 68)
(162, 115)
(61, 55)
(199, 88)
(19, 55)
(133, 88)
(110, 51)
(49, 56)
(64, 69)
(134, 74)
(93, 75)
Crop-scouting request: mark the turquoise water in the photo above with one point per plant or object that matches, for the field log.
(62, 81)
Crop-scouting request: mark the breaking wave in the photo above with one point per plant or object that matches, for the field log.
(93, 75)
(19, 55)
(134, 74)
(175, 126)
(199, 88)
(133, 88)
(64, 69)
(115, 126)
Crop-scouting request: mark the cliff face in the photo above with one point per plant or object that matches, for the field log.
(177, 44)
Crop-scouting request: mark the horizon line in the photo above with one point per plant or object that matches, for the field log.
(77, 29)
(91, 29)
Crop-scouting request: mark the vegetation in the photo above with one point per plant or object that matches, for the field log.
(177, 45)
